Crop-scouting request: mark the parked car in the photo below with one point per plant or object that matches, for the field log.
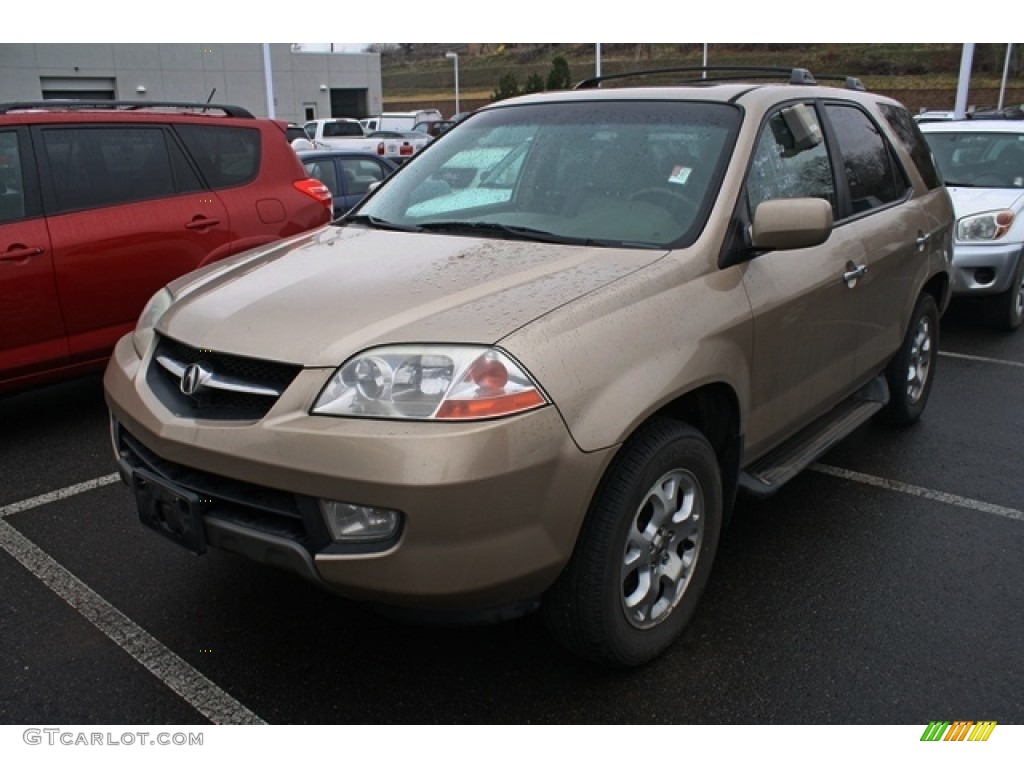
(398, 121)
(981, 158)
(294, 131)
(433, 128)
(400, 146)
(548, 387)
(349, 175)
(101, 203)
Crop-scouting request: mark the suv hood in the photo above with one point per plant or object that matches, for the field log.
(318, 299)
(971, 200)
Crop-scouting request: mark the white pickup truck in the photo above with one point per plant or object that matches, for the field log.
(348, 134)
(338, 133)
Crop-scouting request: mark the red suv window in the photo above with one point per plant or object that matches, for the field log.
(226, 156)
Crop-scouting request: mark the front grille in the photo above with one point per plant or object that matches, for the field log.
(275, 512)
(237, 388)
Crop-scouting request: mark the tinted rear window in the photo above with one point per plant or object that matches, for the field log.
(106, 165)
(913, 141)
(226, 155)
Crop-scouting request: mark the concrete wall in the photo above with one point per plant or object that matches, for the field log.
(189, 72)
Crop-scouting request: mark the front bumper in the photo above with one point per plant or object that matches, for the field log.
(980, 270)
(491, 510)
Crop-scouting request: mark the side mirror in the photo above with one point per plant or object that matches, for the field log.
(787, 224)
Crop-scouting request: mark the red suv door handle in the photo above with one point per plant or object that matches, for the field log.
(20, 253)
(201, 222)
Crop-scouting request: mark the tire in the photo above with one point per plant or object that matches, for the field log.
(911, 372)
(645, 551)
(1006, 310)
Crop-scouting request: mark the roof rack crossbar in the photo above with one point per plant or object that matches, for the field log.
(229, 110)
(849, 83)
(796, 75)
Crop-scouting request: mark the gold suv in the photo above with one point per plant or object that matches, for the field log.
(537, 366)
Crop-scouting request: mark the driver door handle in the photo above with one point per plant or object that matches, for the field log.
(20, 253)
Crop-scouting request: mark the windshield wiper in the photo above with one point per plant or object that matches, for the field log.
(373, 221)
(506, 230)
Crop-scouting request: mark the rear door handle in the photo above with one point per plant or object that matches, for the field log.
(201, 222)
(922, 240)
(853, 274)
(20, 253)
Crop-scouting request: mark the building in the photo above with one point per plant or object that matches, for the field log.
(305, 84)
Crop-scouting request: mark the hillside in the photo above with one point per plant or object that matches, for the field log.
(922, 75)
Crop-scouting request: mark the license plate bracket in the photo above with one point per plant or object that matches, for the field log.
(170, 511)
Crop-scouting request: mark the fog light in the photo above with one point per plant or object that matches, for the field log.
(984, 275)
(354, 522)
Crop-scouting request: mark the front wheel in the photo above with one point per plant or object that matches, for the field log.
(911, 372)
(645, 551)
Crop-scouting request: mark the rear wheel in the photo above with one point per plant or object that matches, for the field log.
(645, 552)
(911, 372)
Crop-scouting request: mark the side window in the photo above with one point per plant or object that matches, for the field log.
(360, 174)
(227, 156)
(790, 159)
(12, 183)
(96, 166)
(324, 171)
(913, 141)
(873, 177)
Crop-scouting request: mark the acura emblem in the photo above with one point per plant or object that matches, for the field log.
(193, 379)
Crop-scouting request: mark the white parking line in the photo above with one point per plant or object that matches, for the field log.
(980, 359)
(207, 698)
(63, 493)
(915, 490)
(200, 692)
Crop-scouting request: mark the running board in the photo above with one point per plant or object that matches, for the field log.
(767, 475)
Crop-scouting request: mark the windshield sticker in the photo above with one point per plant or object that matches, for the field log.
(680, 174)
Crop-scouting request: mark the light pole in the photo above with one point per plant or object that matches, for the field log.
(455, 57)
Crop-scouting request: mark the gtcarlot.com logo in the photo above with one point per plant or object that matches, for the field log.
(70, 738)
(958, 730)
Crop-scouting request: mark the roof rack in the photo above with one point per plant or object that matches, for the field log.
(228, 110)
(995, 113)
(795, 75)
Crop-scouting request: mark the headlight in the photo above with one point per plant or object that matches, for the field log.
(984, 226)
(429, 383)
(151, 315)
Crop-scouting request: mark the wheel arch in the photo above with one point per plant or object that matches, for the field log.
(714, 411)
(941, 289)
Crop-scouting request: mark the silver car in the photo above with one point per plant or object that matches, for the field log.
(981, 159)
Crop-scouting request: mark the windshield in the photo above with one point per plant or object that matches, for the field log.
(992, 160)
(629, 173)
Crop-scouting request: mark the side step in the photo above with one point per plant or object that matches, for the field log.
(768, 474)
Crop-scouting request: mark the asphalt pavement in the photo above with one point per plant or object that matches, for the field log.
(881, 586)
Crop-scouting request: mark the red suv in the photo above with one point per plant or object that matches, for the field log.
(102, 203)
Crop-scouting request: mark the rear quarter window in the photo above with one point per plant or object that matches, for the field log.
(910, 136)
(227, 156)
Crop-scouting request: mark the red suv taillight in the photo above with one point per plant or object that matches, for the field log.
(380, 149)
(315, 189)
(405, 149)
